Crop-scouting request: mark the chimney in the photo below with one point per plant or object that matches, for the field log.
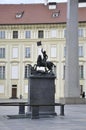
(52, 5)
(45, 2)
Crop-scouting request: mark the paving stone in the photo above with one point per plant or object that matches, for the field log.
(74, 119)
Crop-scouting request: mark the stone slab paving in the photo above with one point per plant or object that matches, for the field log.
(74, 119)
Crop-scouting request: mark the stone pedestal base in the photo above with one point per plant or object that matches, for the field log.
(42, 92)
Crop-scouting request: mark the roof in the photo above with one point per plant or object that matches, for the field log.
(35, 14)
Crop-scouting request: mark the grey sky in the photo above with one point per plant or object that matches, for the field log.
(33, 1)
(27, 1)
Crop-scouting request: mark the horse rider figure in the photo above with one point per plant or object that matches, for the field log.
(42, 62)
(45, 57)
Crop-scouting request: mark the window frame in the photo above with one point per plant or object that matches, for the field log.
(81, 71)
(2, 72)
(27, 34)
(26, 73)
(40, 33)
(2, 34)
(64, 51)
(80, 32)
(27, 55)
(81, 54)
(2, 52)
(15, 34)
(64, 69)
(53, 33)
(53, 49)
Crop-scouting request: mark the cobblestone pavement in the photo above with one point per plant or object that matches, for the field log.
(74, 119)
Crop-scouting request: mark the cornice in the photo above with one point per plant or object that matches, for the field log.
(33, 26)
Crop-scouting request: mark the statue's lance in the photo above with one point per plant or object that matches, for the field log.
(39, 45)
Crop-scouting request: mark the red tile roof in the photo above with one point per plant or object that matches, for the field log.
(35, 14)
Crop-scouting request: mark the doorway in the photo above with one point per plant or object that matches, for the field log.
(14, 91)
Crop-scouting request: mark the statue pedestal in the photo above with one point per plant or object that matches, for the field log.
(42, 92)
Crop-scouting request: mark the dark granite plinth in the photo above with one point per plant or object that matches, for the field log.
(42, 91)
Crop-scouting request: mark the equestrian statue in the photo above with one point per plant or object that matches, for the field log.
(42, 62)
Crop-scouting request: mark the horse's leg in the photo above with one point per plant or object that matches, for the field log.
(35, 67)
(50, 66)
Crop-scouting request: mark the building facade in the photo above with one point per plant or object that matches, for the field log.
(21, 27)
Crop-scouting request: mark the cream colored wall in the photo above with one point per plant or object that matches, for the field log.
(21, 61)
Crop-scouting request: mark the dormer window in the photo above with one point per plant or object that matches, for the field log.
(56, 14)
(52, 5)
(19, 15)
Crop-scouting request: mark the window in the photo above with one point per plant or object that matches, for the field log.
(15, 34)
(14, 86)
(65, 31)
(80, 32)
(53, 51)
(64, 51)
(56, 14)
(2, 52)
(1, 88)
(39, 51)
(80, 51)
(26, 72)
(40, 34)
(15, 72)
(55, 70)
(53, 33)
(64, 72)
(46, 34)
(81, 72)
(2, 34)
(26, 89)
(15, 52)
(2, 72)
(27, 52)
(19, 14)
(81, 89)
(27, 34)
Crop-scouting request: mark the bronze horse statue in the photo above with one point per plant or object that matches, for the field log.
(42, 63)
